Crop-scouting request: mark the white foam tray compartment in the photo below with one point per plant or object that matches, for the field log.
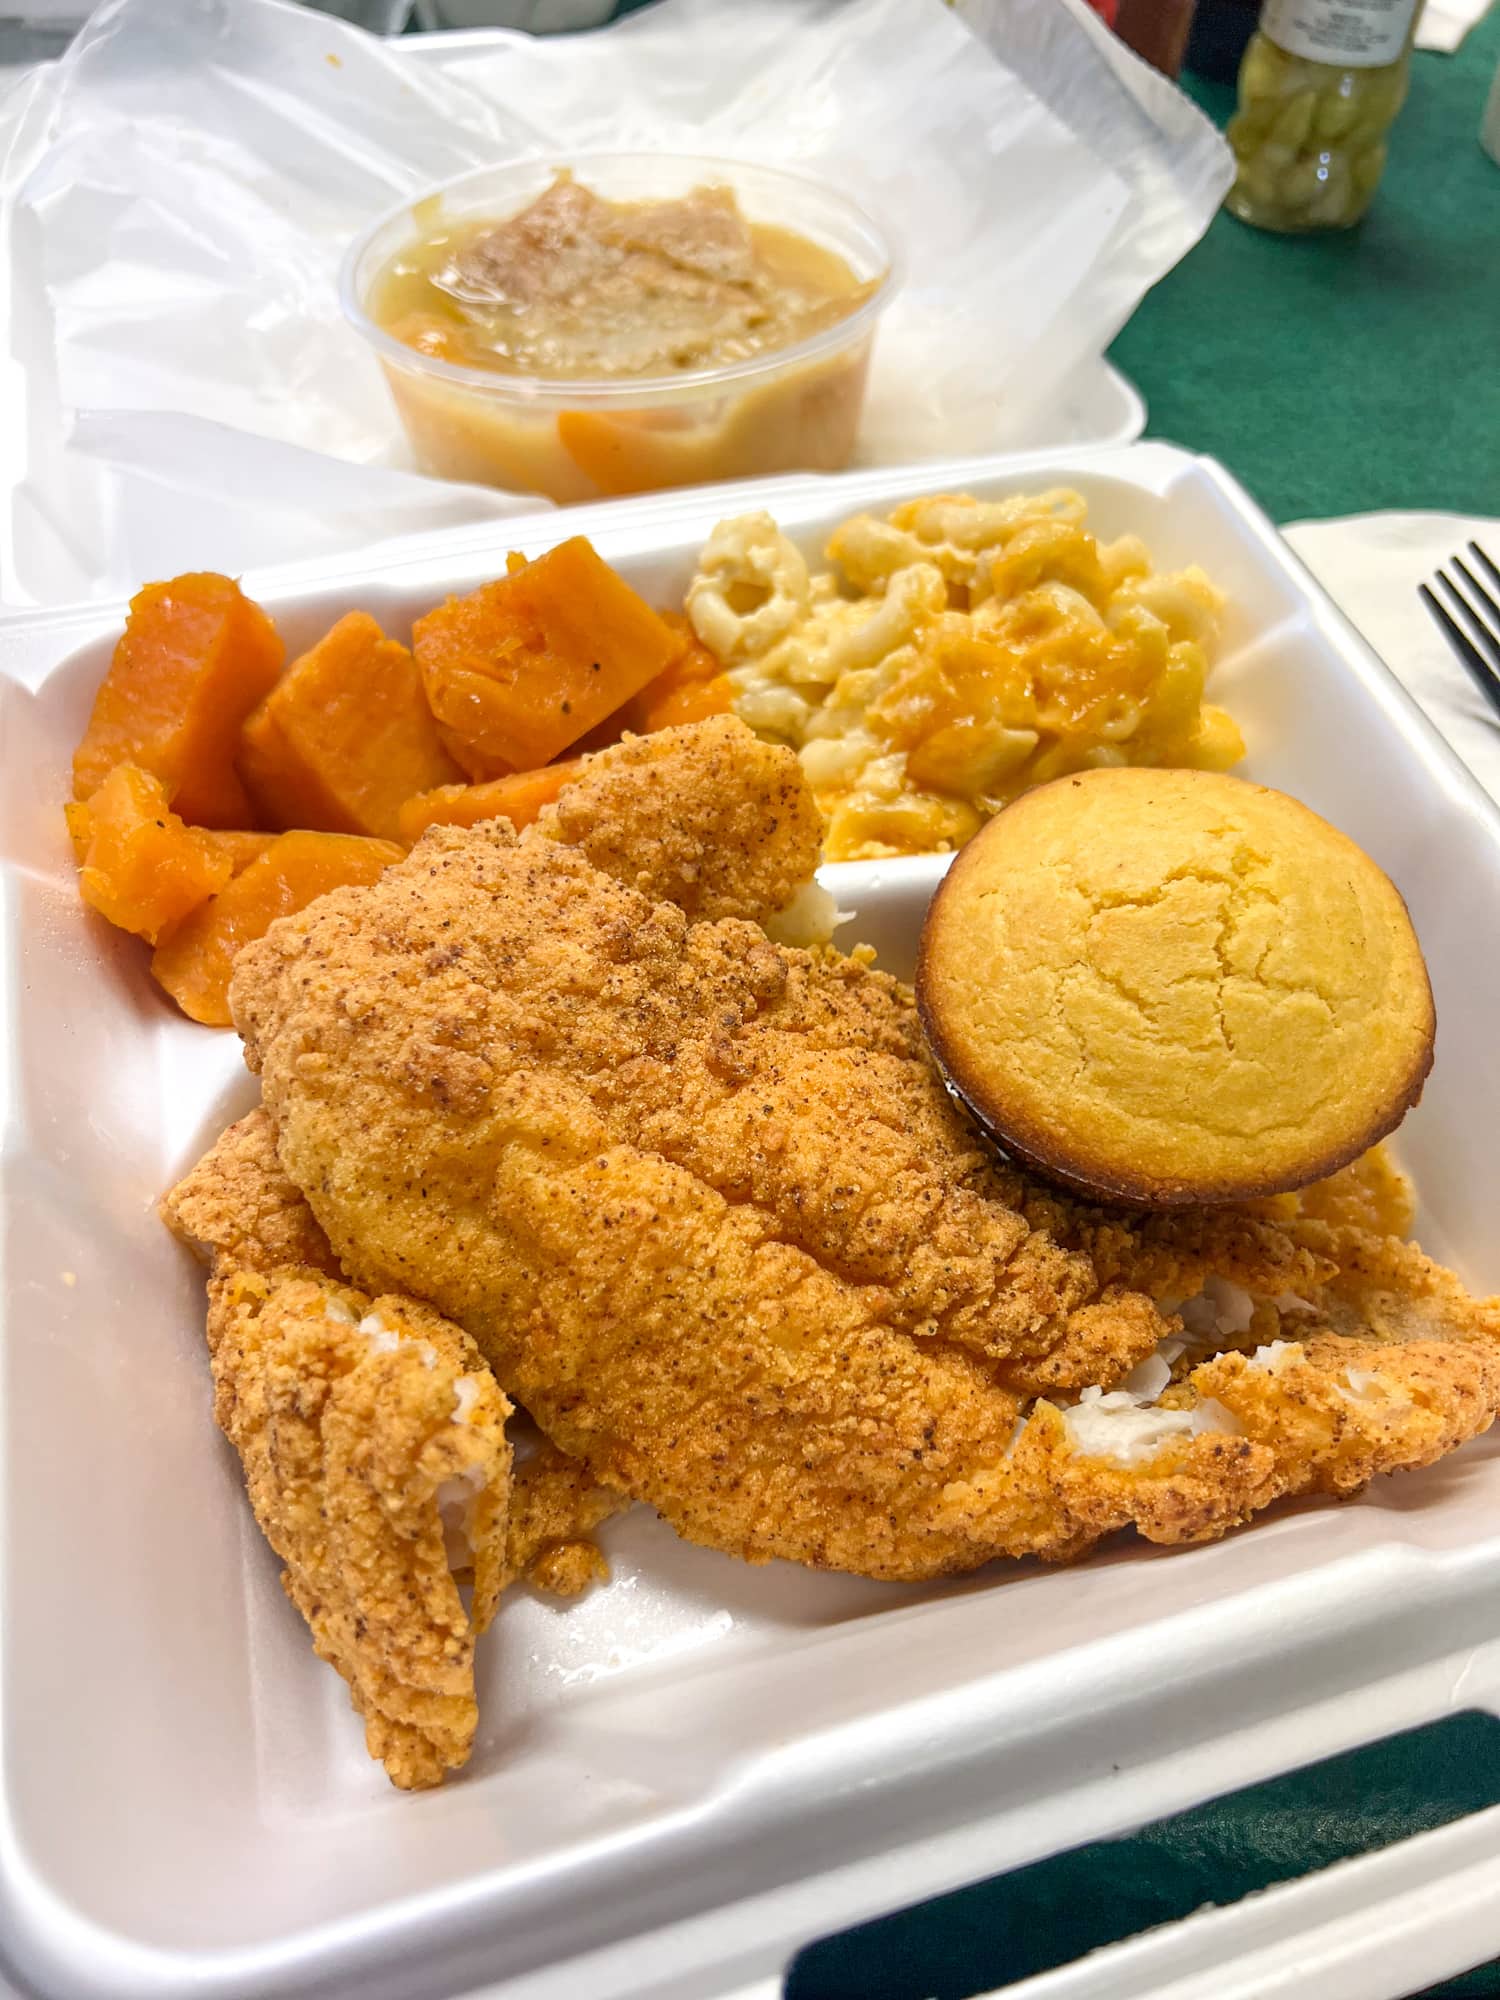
(696, 1769)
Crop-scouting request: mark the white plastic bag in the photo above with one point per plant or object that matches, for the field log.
(177, 193)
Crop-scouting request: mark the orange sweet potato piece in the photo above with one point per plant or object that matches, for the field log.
(142, 866)
(241, 848)
(195, 960)
(79, 822)
(690, 688)
(668, 702)
(518, 798)
(345, 736)
(521, 668)
(195, 657)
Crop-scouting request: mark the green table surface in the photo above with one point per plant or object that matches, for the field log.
(984, 1939)
(1347, 373)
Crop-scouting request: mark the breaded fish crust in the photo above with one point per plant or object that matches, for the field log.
(707, 817)
(238, 1206)
(706, 1208)
(555, 1505)
(371, 1434)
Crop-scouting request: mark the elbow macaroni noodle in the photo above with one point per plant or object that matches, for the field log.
(968, 650)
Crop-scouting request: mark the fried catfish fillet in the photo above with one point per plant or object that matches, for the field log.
(237, 1208)
(1333, 1255)
(372, 1437)
(707, 1209)
(555, 1506)
(707, 817)
(789, 1082)
(1322, 1415)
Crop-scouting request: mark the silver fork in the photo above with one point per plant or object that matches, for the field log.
(1477, 605)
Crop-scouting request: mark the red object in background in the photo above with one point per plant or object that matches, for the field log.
(1108, 8)
(1156, 29)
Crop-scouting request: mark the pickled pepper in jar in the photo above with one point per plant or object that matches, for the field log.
(1320, 87)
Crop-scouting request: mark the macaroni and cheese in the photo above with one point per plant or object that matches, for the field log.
(967, 650)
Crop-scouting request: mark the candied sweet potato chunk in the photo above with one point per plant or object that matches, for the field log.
(195, 657)
(690, 688)
(79, 821)
(518, 798)
(521, 668)
(194, 961)
(239, 846)
(345, 736)
(142, 866)
(242, 848)
(669, 702)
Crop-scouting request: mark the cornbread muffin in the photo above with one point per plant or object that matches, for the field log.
(1163, 987)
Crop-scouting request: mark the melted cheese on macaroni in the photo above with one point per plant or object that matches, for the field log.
(967, 650)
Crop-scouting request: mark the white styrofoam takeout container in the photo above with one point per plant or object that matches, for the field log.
(697, 1768)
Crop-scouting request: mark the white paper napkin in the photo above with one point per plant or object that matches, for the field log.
(1444, 23)
(1370, 565)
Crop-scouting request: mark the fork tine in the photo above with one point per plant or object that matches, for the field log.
(1463, 646)
(1476, 550)
(1487, 640)
(1492, 629)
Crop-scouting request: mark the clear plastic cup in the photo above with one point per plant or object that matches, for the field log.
(792, 410)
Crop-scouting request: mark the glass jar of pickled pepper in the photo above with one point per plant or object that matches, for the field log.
(1320, 87)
